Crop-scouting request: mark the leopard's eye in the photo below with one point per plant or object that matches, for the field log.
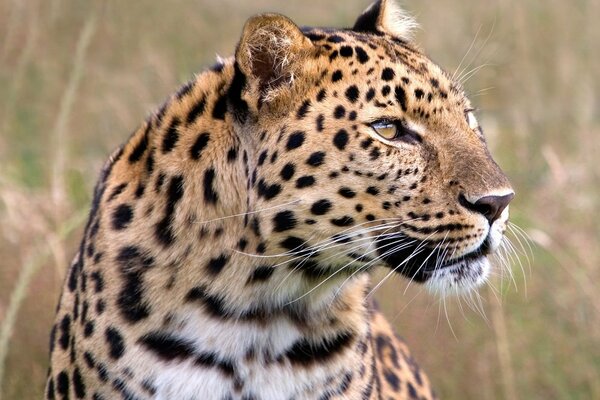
(386, 129)
(395, 131)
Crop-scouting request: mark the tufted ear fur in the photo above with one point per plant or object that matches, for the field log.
(270, 53)
(385, 16)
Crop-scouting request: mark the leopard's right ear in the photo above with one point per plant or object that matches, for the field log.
(385, 16)
(270, 53)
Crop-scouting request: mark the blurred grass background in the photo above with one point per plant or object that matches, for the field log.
(76, 77)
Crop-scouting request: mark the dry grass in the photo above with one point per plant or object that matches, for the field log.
(75, 79)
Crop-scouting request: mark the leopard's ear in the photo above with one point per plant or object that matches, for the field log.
(270, 52)
(385, 16)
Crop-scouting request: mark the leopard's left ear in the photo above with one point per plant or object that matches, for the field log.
(270, 53)
(385, 16)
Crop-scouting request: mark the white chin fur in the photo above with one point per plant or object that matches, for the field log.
(459, 278)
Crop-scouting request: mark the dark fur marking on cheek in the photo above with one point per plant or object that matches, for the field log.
(346, 51)
(171, 136)
(261, 274)
(232, 154)
(62, 384)
(284, 221)
(116, 344)
(167, 347)
(306, 353)
(347, 192)
(65, 328)
(199, 145)
(346, 220)
(321, 95)
(293, 243)
(370, 94)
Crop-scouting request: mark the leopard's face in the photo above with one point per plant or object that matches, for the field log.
(371, 154)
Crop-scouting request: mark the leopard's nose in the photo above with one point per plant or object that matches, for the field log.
(490, 207)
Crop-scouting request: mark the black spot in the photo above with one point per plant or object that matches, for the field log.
(164, 231)
(401, 97)
(352, 93)
(321, 207)
(62, 384)
(305, 352)
(116, 344)
(122, 216)
(339, 112)
(343, 221)
(293, 243)
(140, 148)
(305, 181)
(268, 191)
(337, 76)
(347, 192)
(185, 90)
(372, 190)
(370, 94)
(295, 140)
(261, 274)
(361, 54)
(365, 144)
(232, 154)
(434, 82)
(374, 154)
(262, 157)
(171, 136)
(321, 95)
(316, 159)
(320, 120)
(386, 90)
(78, 384)
(210, 195)
(133, 265)
(303, 109)
(335, 39)
(419, 94)
(65, 332)
(340, 139)
(346, 51)
(150, 163)
(199, 145)
(388, 74)
(283, 221)
(88, 329)
(216, 265)
(220, 108)
(167, 347)
(196, 111)
(287, 172)
(213, 304)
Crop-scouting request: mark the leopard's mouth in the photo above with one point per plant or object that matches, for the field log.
(421, 261)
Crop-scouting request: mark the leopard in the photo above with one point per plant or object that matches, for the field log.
(232, 239)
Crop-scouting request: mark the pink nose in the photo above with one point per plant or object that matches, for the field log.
(490, 207)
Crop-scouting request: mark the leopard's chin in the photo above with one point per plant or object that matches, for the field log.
(460, 276)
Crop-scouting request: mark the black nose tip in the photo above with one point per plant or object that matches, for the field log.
(490, 207)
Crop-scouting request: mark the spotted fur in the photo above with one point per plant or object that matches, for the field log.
(231, 239)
